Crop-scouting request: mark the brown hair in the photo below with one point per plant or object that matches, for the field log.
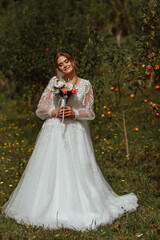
(66, 54)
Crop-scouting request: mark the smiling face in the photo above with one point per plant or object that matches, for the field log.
(65, 65)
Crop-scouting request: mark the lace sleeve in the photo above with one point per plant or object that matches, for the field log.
(45, 105)
(87, 111)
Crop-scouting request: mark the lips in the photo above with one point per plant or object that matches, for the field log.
(67, 68)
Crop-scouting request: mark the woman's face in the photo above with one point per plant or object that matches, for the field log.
(65, 65)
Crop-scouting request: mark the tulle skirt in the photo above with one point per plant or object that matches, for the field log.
(62, 185)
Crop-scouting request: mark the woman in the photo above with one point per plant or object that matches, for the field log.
(62, 185)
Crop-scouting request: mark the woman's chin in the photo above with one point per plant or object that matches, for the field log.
(69, 71)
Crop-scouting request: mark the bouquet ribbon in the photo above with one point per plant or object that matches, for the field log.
(62, 103)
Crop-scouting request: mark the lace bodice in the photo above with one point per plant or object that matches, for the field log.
(82, 102)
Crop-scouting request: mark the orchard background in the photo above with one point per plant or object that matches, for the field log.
(116, 46)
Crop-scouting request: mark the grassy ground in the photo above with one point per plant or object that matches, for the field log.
(19, 128)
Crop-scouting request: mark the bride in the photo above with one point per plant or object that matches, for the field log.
(62, 185)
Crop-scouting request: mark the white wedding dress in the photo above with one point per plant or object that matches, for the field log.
(62, 185)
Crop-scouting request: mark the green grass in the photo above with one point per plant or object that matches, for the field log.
(19, 128)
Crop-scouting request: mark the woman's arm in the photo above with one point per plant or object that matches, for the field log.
(45, 108)
(87, 111)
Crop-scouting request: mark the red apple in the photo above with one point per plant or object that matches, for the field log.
(111, 88)
(152, 54)
(132, 95)
(117, 89)
(147, 73)
(149, 67)
(157, 114)
(156, 67)
(157, 87)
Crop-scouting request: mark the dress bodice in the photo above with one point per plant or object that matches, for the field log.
(81, 102)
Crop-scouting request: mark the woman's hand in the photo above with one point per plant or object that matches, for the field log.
(68, 112)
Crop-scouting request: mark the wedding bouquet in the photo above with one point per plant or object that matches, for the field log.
(64, 89)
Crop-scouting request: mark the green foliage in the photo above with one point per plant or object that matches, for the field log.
(148, 43)
(150, 31)
(32, 31)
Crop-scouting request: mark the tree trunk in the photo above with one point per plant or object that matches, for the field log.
(125, 134)
(110, 28)
(118, 36)
(150, 81)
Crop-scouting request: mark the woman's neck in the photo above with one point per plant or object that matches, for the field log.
(72, 78)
